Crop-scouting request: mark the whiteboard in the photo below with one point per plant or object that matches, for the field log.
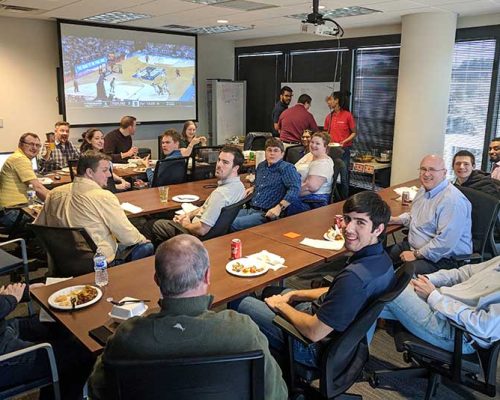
(318, 91)
(228, 109)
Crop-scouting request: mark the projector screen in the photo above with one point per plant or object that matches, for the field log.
(110, 72)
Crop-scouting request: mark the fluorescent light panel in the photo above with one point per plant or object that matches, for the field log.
(115, 17)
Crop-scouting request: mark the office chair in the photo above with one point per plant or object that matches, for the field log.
(170, 171)
(256, 140)
(294, 153)
(220, 377)
(344, 354)
(204, 159)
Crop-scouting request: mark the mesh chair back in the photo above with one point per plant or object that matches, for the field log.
(226, 218)
(204, 160)
(338, 166)
(485, 209)
(293, 153)
(256, 140)
(170, 171)
(70, 251)
(228, 377)
(347, 352)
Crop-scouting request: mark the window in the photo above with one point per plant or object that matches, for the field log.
(469, 96)
(374, 98)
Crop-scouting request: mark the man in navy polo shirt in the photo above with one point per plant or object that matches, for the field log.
(367, 275)
(277, 184)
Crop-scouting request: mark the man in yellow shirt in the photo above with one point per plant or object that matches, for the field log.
(15, 177)
(86, 203)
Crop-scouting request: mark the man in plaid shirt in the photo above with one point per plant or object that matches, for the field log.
(56, 155)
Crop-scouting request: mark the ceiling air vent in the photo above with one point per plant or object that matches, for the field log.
(19, 9)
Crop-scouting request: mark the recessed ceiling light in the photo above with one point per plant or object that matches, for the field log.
(222, 21)
(116, 17)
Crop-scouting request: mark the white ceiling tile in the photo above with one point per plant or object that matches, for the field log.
(472, 8)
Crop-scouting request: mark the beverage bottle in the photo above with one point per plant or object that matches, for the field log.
(31, 195)
(101, 269)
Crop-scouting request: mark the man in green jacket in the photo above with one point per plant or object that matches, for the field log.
(185, 326)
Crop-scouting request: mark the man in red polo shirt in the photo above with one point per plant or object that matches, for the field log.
(295, 120)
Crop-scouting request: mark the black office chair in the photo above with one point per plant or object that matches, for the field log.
(335, 194)
(476, 371)
(220, 377)
(344, 354)
(70, 251)
(484, 216)
(72, 168)
(170, 171)
(204, 159)
(9, 263)
(17, 388)
(224, 222)
(293, 153)
(143, 152)
(256, 140)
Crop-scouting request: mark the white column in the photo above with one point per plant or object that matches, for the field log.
(425, 65)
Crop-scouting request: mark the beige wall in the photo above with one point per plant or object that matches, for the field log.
(28, 61)
(28, 95)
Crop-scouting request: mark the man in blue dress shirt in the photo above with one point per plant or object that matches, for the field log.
(277, 184)
(439, 222)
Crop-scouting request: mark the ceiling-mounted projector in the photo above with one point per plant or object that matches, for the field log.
(320, 22)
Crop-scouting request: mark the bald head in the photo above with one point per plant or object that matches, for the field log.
(181, 265)
(432, 171)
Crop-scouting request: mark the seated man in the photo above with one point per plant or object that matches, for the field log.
(469, 296)
(230, 190)
(86, 203)
(439, 222)
(16, 176)
(494, 153)
(118, 143)
(74, 363)
(464, 163)
(56, 155)
(170, 141)
(185, 326)
(368, 274)
(277, 184)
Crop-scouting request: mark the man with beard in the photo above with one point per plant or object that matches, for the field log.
(286, 95)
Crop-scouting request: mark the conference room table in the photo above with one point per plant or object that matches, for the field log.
(315, 223)
(135, 279)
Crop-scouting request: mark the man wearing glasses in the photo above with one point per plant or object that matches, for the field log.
(15, 177)
(439, 222)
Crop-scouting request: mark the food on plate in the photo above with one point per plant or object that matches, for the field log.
(242, 269)
(335, 234)
(81, 296)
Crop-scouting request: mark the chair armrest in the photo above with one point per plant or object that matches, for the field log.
(289, 329)
(469, 258)
(45, 346)
(23, 247)
(178, 227)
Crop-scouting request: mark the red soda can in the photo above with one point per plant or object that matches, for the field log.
(236, 249)
(405, 198)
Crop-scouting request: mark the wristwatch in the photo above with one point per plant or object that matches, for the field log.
(417, 254)
(283, 207)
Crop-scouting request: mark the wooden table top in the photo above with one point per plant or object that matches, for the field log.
(315, 223)
(135, 279)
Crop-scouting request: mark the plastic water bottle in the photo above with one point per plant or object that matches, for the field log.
(31, 195)
(101, 269)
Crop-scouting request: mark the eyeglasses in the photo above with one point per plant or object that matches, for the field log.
(35, 145)
(423, 170)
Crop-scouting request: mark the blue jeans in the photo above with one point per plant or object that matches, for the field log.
(418, 317)
(9, 217)
(262, 315)
(139, 251)
(299, 205)
(247, 218)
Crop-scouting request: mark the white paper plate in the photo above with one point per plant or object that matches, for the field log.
(68, 290)
(124, 319)
(247, 263)
(339, 243)
(65, 169)
(185, 198)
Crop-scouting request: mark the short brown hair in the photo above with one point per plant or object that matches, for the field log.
(127, 121)
(239, 159)
(325, 136)
(61, 123)
(25, 135)
(274, 142)
(173, 134)
(90, 159)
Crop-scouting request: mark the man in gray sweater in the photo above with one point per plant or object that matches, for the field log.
(469, 296)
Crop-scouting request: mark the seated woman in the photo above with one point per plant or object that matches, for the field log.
(93, 139)
(170, 141)
(189, 139)
(316, 171)
(306, 140)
